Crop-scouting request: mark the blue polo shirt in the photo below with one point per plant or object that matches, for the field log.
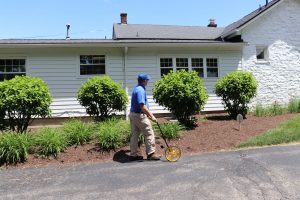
(138, 96)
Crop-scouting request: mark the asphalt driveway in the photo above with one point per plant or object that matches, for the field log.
(267, 173)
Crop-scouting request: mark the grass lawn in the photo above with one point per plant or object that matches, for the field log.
(286, 132)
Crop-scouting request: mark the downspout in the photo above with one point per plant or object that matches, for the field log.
(125, 79)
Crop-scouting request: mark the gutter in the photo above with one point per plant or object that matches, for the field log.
(125, 79)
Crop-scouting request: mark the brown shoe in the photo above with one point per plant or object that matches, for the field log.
(153, 156)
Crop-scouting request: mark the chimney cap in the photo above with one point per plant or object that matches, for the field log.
(123, 18)
(212, 23)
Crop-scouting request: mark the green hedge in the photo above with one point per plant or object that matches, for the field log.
(101, 96)
(23, 99)
(236, 89)
(182, 93)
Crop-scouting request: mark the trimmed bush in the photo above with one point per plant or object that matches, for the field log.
(182, 93)
(113, 133)
(101, 96)
(13, 147)
(48, 141)
(24, 98)
(170, 130)
(236, 89)
(78, 132)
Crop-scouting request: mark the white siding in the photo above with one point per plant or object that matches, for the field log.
(59, 68)
(147, 60)
(279, 29)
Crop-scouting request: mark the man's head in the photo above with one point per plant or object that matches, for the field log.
(143, 79)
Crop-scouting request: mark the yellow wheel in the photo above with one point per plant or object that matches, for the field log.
(172, 153)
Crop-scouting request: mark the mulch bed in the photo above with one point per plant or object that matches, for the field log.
(215, 132)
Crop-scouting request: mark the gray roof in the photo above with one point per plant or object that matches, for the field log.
(144, 31)
(54, 41)
(98, 41)
(232, 27)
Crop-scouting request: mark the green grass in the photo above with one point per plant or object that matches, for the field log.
(294, 106)
(287, 132)
(272, 110)
(78, 132)
(113, 133)
(170, 130)
(13, 147)
(48, 141)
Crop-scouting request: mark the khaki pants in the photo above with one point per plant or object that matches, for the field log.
(140, 123)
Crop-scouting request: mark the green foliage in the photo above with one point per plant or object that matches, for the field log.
(285, 133)
(101, 96)
(294, 106)
(78, 132)
(113, 133)
(13, 147)
(48, 141)
(236, 89)
(271, 110)
(2, 107)
(24, 98)
(170, 130)
(182, 93)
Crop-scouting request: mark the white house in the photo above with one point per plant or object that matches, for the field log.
(265, 42)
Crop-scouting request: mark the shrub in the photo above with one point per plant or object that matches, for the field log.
(48, 141)
(78, 132)
(294, 106)
(276, 109)
(260, 110)
(101, 96)
(236, 89)
(182, 93)
(113, 133)
(2, 107)
(13, 147)
(271, 110)
(170, 130)
(24, 99)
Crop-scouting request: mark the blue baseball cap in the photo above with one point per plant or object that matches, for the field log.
(143, 77)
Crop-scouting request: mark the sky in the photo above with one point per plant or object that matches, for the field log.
(47, 19)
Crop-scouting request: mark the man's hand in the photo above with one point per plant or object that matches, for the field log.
(153, 119)
(148, 113)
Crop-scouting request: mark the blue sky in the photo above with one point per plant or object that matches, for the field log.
(43, 19)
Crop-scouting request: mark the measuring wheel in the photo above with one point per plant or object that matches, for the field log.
(172, 153)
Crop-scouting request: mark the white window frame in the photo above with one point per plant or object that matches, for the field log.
(204, 57)
(84, 76)
(265, 51)
(15, 58)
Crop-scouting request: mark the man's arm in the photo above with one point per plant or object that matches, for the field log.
(147, 112)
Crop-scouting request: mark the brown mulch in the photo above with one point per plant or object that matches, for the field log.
(215, 132)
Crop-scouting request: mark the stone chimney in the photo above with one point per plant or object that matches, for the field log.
(212, 23)
(123, 18)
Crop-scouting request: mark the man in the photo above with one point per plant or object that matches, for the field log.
(139, 113)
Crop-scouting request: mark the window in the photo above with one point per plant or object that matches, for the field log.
(197, 65)
(205, 67)
(9, 68)
(182, 63)
(166, 65)
(212, 67)
(92, 64)
(261, 53)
